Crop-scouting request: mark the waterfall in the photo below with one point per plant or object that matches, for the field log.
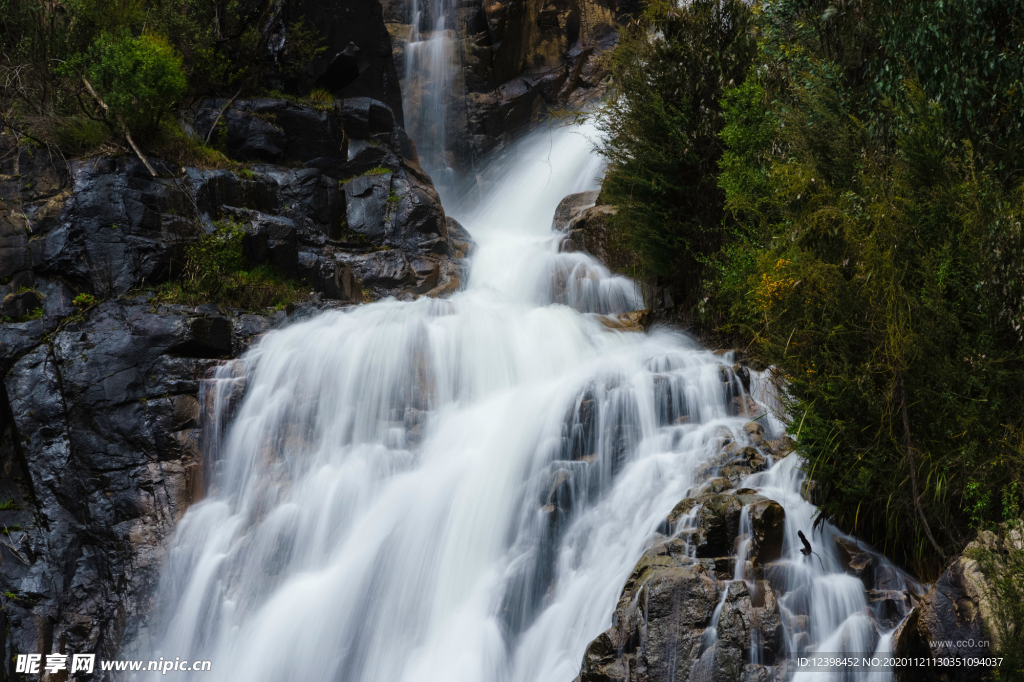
(430, 69)
(458, 489)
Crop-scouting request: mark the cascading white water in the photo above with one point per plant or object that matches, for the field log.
(456, 490)
(430, 67)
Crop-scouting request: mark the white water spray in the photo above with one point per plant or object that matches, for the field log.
(456, 490)
(431, 62)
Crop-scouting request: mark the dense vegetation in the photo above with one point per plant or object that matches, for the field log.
(79, 74)
(841, 185)
(85, 76)
(215, 269)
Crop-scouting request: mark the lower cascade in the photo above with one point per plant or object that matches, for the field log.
(460, 489)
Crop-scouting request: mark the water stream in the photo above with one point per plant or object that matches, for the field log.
(456, 490)
(430, 69)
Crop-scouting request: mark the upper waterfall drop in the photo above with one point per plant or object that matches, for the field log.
(431, 66)
(458, 489)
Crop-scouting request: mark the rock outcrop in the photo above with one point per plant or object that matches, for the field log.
(958, 616)
(102, 399)
(357, 60)
(683, 587)
(585, 226)
(517, 61)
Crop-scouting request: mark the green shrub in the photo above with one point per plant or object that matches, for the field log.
(321, 98)
(215, 270)
(869, 281)
(173, 144)
(84, 300)
(139, 78)
(78, 135)
(302, 46)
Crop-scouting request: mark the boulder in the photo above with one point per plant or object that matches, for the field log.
(735, 473)
(856, 561)
(956, 617)
(717, 524)
(369, 211)
(766, 622)
(888, 607)
(275, 131)
(365, 118)
(570, 208)
(768, 520)
(753, 429)
(659, 622)
(588, 231)
(680, 510)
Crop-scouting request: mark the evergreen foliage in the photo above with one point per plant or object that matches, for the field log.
(863, 236)
(662, 130)
(143, 58)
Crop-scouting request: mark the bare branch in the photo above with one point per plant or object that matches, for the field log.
(219, 114)
(124, 128)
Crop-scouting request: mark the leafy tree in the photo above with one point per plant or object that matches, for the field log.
(662, 127)
(138, 78)
(873, 280)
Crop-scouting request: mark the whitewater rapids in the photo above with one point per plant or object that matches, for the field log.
(379, 506)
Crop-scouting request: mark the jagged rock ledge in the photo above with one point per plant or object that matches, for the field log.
(100, 407)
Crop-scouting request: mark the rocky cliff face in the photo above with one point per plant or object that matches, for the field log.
(101, 403)
(356, 61)
(516, 61)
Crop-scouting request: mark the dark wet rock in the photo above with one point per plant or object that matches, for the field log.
(658, 625)
(680, 510)
(570, 208)
(768, 520)
(888, 607)
(102, 421)
(743, 374)
(735, 473)
(755, 672)
(365, 118)
(956, 618)
(19, 305)
(329, 224)
(723, 567)
(276, 131)
(767, 623)
(715, 486)
(717, 524)
(358, 60)
(368, 207)
(856, 561)
(101, 404)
